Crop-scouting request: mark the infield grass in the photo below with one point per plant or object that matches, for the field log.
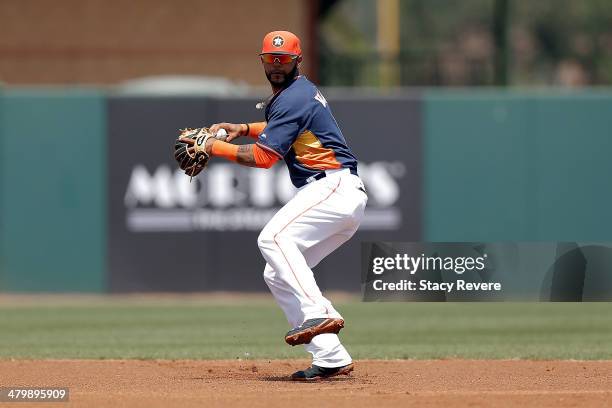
(249, 328)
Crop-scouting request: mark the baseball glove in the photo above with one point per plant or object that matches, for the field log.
(189, 150)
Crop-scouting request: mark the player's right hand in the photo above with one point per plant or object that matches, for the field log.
(233, 130)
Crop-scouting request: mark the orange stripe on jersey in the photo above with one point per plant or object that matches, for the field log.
(310, 152)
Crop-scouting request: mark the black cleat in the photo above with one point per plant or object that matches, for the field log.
(315, 373)
(313, 327)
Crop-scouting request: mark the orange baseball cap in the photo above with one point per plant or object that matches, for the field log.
(281, 42)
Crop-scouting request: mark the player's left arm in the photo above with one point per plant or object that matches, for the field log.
(247, 155)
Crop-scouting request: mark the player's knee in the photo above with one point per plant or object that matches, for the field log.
(265, 241)
(268, 275)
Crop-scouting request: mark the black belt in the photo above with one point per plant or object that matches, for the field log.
(319, 176)
(353, 171)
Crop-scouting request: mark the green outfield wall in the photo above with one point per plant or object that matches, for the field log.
(502, 166)
(53, 184)
(497, 166)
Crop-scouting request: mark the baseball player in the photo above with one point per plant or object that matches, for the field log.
(325, 212)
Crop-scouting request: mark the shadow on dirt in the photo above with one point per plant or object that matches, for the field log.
(324, 380)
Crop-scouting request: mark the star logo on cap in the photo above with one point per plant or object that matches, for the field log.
(278, 41)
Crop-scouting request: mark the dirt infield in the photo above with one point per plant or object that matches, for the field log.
(263, 383)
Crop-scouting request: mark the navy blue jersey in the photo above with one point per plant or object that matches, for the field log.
(302, 130)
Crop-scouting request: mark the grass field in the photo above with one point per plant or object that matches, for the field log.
(253, 328)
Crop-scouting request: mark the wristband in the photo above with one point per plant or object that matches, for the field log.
(255, 129)
(224, 149)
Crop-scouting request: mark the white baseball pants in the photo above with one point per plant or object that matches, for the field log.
(322, 216)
